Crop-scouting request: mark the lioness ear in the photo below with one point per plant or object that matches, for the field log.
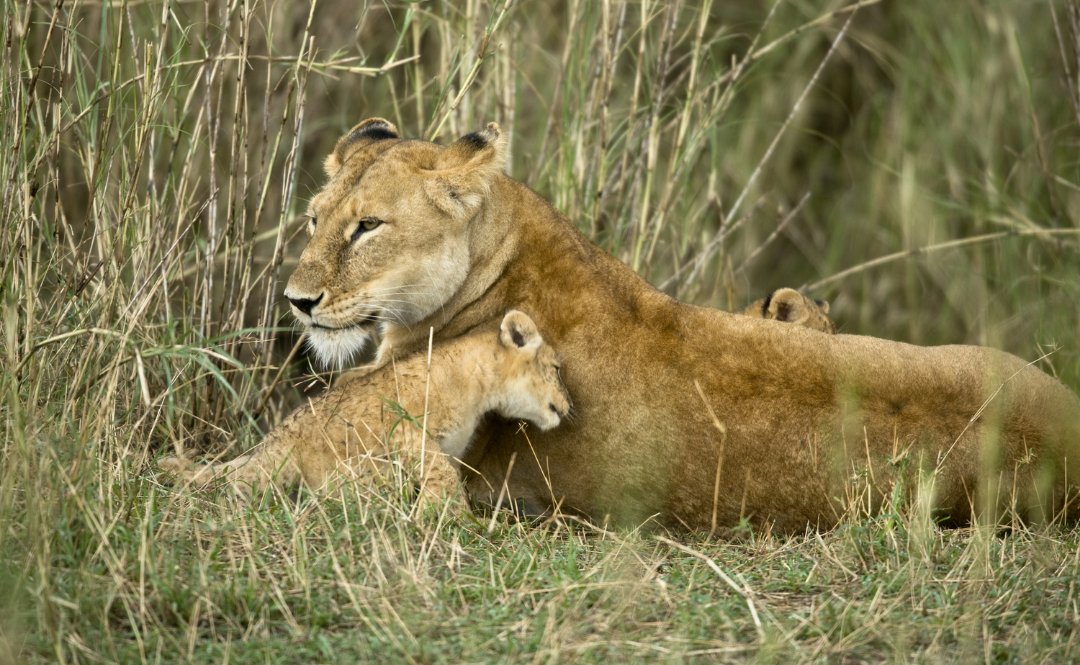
(518, 331)
(368, 131)
(464, 170)
(485, 150)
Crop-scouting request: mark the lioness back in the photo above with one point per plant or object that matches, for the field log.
(793, 307)
(689, 416)
(355, 431)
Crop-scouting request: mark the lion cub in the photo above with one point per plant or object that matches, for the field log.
(352, 431)
(793, 307)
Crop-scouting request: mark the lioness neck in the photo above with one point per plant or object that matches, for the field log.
(520, 239)
(494, 242)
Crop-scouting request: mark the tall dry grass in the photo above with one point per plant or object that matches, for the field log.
(913, 162)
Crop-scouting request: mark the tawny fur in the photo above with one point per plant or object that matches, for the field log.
(346, 432)
(805, 419)
(790, 306)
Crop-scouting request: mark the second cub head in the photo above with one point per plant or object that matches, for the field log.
(790, 306)
(534, 390)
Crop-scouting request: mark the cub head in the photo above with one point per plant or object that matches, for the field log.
(793, 307)
(388, 234)
(529, 370)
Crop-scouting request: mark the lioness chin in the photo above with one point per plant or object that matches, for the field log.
(353, 433)
(690, 416)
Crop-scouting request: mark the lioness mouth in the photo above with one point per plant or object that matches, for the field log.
(371, 320)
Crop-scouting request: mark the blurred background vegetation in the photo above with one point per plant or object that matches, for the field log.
(721, 149)
(915, 163)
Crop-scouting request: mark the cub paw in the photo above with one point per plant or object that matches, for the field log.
(174, 465)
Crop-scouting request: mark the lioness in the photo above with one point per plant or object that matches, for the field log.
(792, 307)
(693, 415)
(353, 431)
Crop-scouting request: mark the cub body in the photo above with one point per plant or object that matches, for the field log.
(353, 431)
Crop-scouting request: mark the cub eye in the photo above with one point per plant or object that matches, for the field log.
(366, 224)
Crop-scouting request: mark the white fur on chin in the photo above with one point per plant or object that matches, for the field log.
(336, 348)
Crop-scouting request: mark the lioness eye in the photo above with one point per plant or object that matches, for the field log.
(312, 223)
(366, 224)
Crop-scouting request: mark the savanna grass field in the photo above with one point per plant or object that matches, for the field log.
(915, 163)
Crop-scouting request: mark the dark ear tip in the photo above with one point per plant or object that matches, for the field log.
(483, 138)
(373, 128)
(475, 141)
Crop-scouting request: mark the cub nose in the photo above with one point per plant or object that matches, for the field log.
(305, 304)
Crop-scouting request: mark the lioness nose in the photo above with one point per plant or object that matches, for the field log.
(305, 304)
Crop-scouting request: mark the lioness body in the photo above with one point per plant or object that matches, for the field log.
(353, 432)
(798, 414)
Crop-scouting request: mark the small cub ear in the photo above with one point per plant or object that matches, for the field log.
(823, 304)
(464, 170)
(368, 131)
(518, 331)
(786, 305)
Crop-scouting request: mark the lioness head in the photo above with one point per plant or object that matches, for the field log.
(388, 234)
(529, 368)
(793, 307)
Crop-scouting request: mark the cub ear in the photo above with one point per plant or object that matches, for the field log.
(464, 170)
(368, 131)
(823, 304)
(785, 305)
(518, 331)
